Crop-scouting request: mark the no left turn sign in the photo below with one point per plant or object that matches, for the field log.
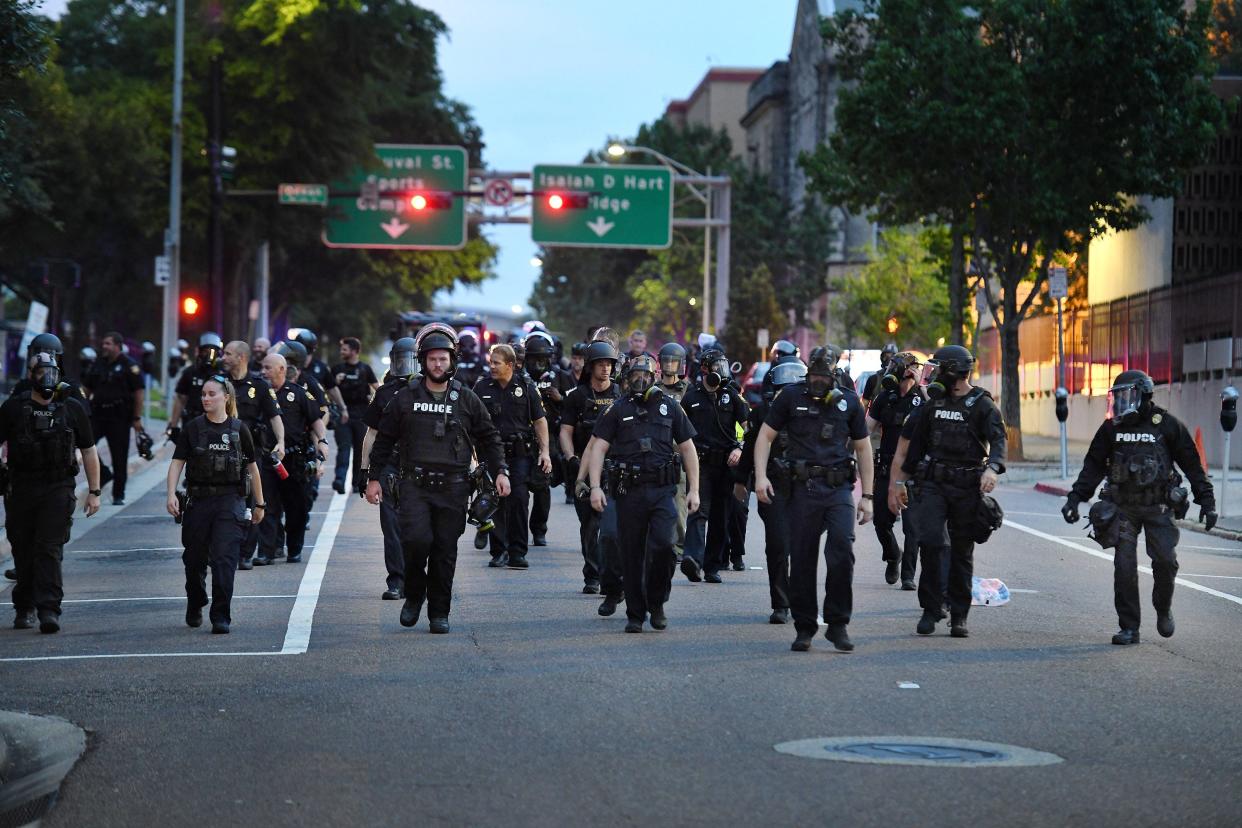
(498, 192)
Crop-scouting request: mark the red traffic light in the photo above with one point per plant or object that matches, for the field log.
(892, 324)
(189, 306)
(430, 201)
(567, 201)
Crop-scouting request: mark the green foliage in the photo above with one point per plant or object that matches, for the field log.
(752, 306)
(902, 281)
(23, 50)
(1226, 34)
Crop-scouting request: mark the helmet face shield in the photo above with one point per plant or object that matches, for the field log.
(1124, 403)
(787, 373)
(403, 364)
(671, 365)
(930, 372)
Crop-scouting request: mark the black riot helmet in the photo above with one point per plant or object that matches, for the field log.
(714, 368)
(781, 374)
(402, 361)
(579, 349)
(821, 374)
(782, 350)
(46, 343)
(295, 357)
(898, 367)
(600, 350)
(640, 376)
(210, 346)
(886, 353)
(44, 373)
(437, 337)
(540, 351)
(308, 339)
(1130, 396)
(672, 359)
(948, 365)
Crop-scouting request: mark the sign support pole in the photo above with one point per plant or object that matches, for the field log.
(172, 237)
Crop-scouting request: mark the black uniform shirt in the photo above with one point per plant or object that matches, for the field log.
(113, 385)
(563, 382)
(890, 409)
(583, 408)
(463, 404)
(986, 425)
(742, 471)
(355, 382)
(1177, 439)
(298, 412)
(715, 415)
(11, 425)
(819, 433)
(256, 403)
(315, 391)
(514, 408)
(659, 418)
(75, 390)
(383, 395)
(216, 444)
(190, 384)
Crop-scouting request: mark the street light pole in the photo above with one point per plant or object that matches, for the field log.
(172, 237)
(707, 260)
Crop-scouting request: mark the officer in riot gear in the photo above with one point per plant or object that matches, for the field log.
(715, 409)
(469, 365)
(514, 404)
(188, 402)
(674, 384)
(295, 353)
(43, 426)
(217, 452)
(872, 386)
(577, 361)
(646, 438)
(258, 411)
(953, 450)
(402, 368)
(47, 343)
(553, 384)
(827, 448)
(315, 372)
(774, 512)
(116, 388)
(898, 394)
(86, 359)
(356, 382)
(431, 429)
(1134, 452)
(304, 428)
(584, 405)
(783, 350)
(176, 358)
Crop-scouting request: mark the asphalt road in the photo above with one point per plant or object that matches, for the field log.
(534, 710)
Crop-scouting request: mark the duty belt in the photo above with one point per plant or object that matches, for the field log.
(624, 476)
(715, 455)
(832, 475)
(432, 480)
(517, 445)
(955, 475)
(1146, 497)
(195, 490)
(883, 465)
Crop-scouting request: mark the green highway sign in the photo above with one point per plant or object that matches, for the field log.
(316, 194)
(626, 206)
(399, 202)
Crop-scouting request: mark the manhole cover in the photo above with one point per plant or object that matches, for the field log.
(928, 751)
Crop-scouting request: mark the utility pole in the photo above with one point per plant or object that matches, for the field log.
(172, 236)
(215, 230)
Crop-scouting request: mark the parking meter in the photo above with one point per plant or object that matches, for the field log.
(1063, 405)
(1063, 415)
(1229, 408)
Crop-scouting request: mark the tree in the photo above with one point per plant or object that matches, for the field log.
(752, 307)
(24, 52)
(1030, 125)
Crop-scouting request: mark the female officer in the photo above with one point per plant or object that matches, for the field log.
(218, 453)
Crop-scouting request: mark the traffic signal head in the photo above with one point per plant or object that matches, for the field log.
(189, 306)
(430, 201)
(567, 200)
(892, 325)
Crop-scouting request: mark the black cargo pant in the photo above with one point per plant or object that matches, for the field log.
(1161, 535)
(707, 529)
(287, 500)
(885, 520)
(541, 499)
(943, 514)
(511, 534)
(270, 479)
(776, 536)
(38, 517)
(212, 529)
(739, 515)
(816, 507)
(431, 522)
(114, 426)
(390, 527)
(597, 533)
(646, 528)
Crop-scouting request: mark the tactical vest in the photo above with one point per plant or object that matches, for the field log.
(813, 421)
(595, 407)
(952, 439)
(676, 391)
(43, 449)
(194, 397)
(214, 468)
(432, 433)
(644, 432)
(1140, 461)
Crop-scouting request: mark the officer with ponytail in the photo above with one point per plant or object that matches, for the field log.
(828, 448)
(647, 439)
(218, 455)
(1135, 450)
(951, 451)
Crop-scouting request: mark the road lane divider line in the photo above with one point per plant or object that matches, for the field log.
(90, 656)
(154, 598)
(302, 616)
(1096, 553)
(1229, 577)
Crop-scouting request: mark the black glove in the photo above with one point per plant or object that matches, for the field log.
(1207, 515)
(1070, 510)
(173, 433)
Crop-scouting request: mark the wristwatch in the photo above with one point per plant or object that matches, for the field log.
(259, 506)
(868, 497)
(994, 466)
(95, 492)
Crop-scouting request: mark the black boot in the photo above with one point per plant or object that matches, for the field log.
(957, 628)
(410, 612)
(659, 620)
(891, 571)
(802, 643)
(780, 615)
(1164, 623)
(24, 620)
(927, 624)
(1126, 637)
(608, 606)
(836, 633)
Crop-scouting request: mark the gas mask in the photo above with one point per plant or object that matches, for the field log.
(47, 379)
(486, 501)
(640, 383)
(717, 374)
(208, 357)
(823, 388)
(937, 379)
(538, 366)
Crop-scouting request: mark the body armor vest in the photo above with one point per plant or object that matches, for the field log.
(951, 437)
(216, 461)
(820, 422)
(596, 406)
(677, 391)
(43, 448)
(1140, 460)
(432, 433)
(645, 432)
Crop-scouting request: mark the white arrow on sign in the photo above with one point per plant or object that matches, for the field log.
(394, 228)
(599, 226)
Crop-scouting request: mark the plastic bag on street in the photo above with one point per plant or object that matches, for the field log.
(988, 592)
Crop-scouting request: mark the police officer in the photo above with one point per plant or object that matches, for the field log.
(553, 385)
(176, 359)
(295, 354)
(584, 405)
(116, 388)
(953, 447)
(577, 361)
(402, 368)
(1135, 450)
(258, 411)
(825, 425)
(258, 350)
(188, 402)
(873, 386)
(43, 426)
(356, 383)
(469, 366)
(775, 511)
(314, 372)
(303, 424)
(898, 394)
(512, 401)
(47, 343)
(715, 410)
(673, 383)
(430, 429)
(643, 435)
(218, 454)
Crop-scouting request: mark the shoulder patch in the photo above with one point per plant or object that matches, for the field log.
(517, 392)
(916, 400)
(272, 391)
(1156, 419)
(663, 410)
(134, 369)
(842, 405)
(453, 395)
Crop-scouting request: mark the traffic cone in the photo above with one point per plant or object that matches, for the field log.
(1199, 447)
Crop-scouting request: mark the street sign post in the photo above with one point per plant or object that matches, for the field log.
(313, 194)
(163, 270)
(627, 206)
(374, 211)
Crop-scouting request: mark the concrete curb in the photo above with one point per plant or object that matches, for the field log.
(1189, 525)
(36, 754)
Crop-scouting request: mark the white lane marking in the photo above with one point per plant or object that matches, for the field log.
(1230, 577)
(135, 549)
(159, 598)
(1033, 514)
(1095, 553)
(1030, 591)
(1179, 546)
(135, 655)
(302, 616)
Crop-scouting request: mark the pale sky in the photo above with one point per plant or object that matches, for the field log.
(549, 80)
